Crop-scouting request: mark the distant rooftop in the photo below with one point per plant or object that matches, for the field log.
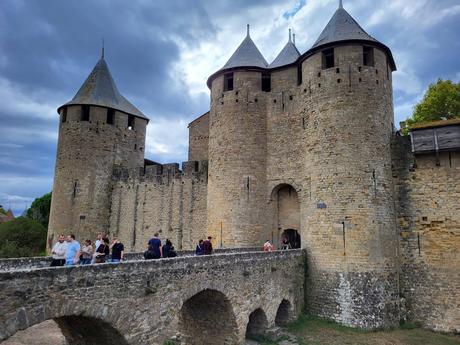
(289, 54)
(433, 124)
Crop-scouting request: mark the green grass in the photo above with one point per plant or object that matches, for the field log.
(311, 330)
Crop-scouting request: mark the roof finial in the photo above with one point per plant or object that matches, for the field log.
(340, 4)
(248, 30)
(293, 38)
(102, 52)
(289, 35)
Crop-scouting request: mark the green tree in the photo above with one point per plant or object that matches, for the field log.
(40, 209)
(22, 237)
(441, 101)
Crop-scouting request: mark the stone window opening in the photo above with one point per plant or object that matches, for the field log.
(228, 81)
(328, 58)
(266, 82)
(84, 113)
(337, 70)
(131, 121)
(339, 81)
(110, 116)
(299, 75)
(368, 56)
(64, 114)
(74, 192)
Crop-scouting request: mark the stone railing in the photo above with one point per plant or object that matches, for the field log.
(13, 264)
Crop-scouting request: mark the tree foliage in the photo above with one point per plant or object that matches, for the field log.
(22, 237)
(40, 209)
(440, 102)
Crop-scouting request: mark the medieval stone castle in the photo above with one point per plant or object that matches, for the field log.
(304, 148)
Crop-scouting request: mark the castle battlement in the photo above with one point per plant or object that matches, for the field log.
(163, 173)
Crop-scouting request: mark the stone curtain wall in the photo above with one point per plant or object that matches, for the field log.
(198, 138)
(164, 199)
(87, 152)
(428, 199)
(144, 300)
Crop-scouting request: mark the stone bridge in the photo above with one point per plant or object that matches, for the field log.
(200, 300)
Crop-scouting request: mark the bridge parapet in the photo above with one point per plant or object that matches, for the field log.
(147, 302)
(15, 264)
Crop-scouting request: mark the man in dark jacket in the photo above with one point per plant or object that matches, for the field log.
(207, 246)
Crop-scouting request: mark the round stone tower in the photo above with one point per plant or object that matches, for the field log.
(349, 231)
(99, 129)
(237, 149)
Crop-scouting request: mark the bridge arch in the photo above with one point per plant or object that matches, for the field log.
(284, 314)
(82, 330)
(257, 323)
(207, 318)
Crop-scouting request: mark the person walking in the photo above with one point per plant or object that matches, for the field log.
(117, 250)
(72, 251)
(199, 248)
(154, 247)
(87, 252)
(59, 252)
(207, 246)
(102, 251)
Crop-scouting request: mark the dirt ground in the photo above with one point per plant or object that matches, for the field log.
(45, 333)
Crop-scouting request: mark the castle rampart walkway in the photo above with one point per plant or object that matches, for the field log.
(202, 300)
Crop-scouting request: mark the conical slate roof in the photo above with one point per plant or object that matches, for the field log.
(342, 27)
(100, 89)
(246, 55)
(289, 54)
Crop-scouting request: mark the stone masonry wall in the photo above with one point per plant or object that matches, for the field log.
(146, 301)
(198, 138)
(348, 218)
(163, 199)
(87, 152)
(428, 204)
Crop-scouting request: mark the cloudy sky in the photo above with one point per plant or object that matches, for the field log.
(161, 53)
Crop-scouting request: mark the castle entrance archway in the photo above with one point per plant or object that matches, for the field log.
(286, 210)
(291, 238)
(207, 318)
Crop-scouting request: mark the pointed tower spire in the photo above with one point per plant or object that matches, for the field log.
(247, 26)
(100, 89)
(287, 55)
(340, 4)
(102, 52)
(293, 38)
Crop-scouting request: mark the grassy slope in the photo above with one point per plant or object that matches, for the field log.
(314, 331)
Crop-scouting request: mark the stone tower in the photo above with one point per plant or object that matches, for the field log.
(237, 149)
(99, 129)
(349, 229)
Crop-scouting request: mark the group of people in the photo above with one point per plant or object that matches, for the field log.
(68, 251)
(155, 250)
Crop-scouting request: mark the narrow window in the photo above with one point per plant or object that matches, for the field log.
(299, 75)
(110, 116)
(368, 56)
(85, 112)
(228, 82)
(64, 114)
(131, 122)
(328, 58)
(266, 82)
